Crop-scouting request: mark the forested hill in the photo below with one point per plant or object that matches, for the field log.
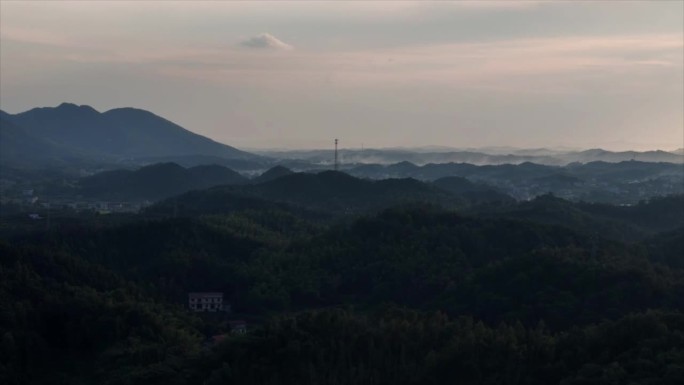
(474, 192)
(272, 173)
(156, 182)
(625, 223)
(542, 303)
(339, 191)
(332, 192)
(342, 280)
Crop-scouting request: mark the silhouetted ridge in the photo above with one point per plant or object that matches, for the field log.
(331, 191)
(156, 181)
(121, 133)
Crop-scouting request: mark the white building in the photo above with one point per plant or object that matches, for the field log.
(209, 302)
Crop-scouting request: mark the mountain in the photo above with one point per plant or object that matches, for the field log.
(118, 134)
(598, 154)
(482, 156)
(21, 148)
(156, 181)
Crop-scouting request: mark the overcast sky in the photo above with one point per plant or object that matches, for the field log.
(382, 74)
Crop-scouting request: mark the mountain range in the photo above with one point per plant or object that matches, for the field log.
(80, 136)
(486, 156)
(624, 182)
(69, 133)
(328, 190)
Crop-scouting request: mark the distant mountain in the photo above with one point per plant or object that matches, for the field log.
(572, 173)
(20, 148)
(392, 156)
(484, 156)
(156, 182)
(594, 155)
(118, 134)
(435, 171)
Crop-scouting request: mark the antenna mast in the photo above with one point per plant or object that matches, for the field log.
(335, 154)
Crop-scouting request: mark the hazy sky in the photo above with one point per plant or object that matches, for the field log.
(487, 73)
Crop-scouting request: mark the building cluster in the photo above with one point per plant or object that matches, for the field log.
(212, 302)
(207, 302)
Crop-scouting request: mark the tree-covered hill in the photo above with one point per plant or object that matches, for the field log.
(272, 173)
(539, 292)
(66, 320)
(475, 193)
(668, 248)
(625, 223)
(405, 347)
(328, 191)
(156, 182)
(422, 257)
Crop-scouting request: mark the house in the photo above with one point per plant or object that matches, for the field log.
(207, 302)
(238, 326)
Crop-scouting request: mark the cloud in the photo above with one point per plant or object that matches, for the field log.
(265, 41)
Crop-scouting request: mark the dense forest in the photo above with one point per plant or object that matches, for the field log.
(347, 282)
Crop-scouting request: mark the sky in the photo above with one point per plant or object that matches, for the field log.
(577, 74)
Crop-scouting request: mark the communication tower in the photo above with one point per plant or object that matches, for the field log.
(336, 164)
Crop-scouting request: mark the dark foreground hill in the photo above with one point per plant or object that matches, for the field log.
(483, 300)
(115, 135)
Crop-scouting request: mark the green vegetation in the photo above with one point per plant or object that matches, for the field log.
(341, 286)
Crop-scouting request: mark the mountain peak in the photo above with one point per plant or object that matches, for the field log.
(130, 111)
(75, 107)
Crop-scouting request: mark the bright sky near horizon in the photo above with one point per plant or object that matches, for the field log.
(380, 74)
